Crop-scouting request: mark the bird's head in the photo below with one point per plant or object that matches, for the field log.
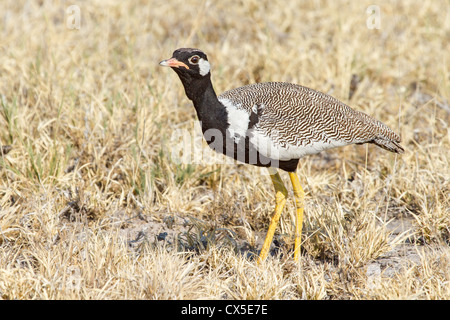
(188, 63)
(193, 68)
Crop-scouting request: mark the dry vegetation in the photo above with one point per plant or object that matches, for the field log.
(93, 206)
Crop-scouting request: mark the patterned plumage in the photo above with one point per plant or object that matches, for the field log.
(274, 124)
(296, 116)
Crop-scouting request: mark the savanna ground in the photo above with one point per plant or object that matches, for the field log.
(94, 205)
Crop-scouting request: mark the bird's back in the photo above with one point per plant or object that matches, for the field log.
(304, 121)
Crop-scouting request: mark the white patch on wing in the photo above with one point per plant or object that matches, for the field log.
(204, 67)
(264, 144)
(267, 147)
(238, 119)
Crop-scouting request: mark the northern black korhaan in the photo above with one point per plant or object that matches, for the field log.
(273, 125)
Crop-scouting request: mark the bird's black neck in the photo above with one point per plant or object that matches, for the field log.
(210, 111)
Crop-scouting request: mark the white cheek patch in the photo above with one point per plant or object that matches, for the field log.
(204, 67)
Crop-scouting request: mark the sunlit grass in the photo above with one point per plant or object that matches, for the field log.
(93, 205)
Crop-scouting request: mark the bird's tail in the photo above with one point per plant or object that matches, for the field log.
(389, 144)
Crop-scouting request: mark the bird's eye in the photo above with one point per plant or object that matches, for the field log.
(194, 59)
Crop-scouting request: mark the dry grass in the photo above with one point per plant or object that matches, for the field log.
(89, 186)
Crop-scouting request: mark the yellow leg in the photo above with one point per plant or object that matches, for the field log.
(299, 195)
(280, 200)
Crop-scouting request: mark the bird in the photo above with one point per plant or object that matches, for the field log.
(274, 125)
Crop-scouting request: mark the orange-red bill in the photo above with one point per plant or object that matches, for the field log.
(173, 63)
